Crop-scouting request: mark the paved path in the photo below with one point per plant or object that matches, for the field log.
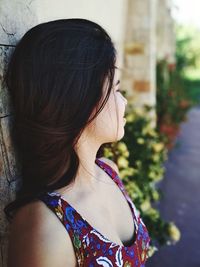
(181, 202)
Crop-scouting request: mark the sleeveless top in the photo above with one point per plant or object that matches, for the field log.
(90, 246)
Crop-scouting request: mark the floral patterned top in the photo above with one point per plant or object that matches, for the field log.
(90, 246)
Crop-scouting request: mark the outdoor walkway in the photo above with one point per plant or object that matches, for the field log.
(181, 203)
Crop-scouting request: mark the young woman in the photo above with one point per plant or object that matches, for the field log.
(63, 81)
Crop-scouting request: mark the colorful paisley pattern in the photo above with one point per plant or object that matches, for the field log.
(90, 246)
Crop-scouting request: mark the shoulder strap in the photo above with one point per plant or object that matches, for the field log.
(114, 175)
(52, 200)
(66, 216)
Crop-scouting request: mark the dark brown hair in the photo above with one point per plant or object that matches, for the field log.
(55, 78)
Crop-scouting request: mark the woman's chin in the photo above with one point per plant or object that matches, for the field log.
(120, 134)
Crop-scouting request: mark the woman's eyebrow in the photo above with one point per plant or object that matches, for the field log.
(118, 82)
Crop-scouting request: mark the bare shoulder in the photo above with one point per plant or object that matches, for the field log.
(111, 163)
(39, 239)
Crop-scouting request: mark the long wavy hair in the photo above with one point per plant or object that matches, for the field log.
(55, 78)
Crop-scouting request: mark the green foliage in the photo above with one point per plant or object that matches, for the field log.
(172, 99)
(176, 93)
(188, 61)
(140, 156)
(192, 90)
(187, 50)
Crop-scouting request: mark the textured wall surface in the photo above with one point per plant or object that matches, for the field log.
(165, 33)
(15, 18)
(149, 36)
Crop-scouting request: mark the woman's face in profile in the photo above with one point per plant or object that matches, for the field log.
(109, 124)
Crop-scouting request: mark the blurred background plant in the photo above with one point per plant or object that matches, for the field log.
(178, 85)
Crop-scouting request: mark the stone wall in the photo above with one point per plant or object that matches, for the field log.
(149, 37)
(140, 52)
(165, 34)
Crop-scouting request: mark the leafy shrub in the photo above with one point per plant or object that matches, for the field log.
(172, 101)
